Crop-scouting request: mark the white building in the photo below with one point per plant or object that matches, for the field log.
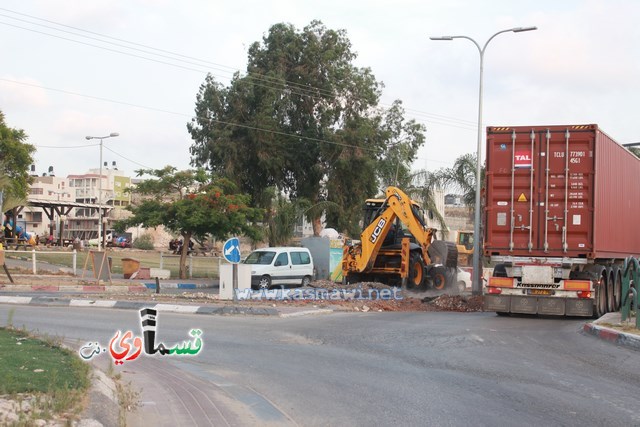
(82, 221)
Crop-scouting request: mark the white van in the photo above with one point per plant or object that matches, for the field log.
(280, 266)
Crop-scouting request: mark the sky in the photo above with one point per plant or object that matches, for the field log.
(71, 69)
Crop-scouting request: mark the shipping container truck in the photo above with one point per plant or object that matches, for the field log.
(561, 215)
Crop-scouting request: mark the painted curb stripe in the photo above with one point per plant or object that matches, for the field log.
(177, 308)
(91, 303)
(177, 285)
(16, 300)
(612, 336)
(131, 305)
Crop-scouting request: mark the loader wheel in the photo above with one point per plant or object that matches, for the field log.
(439, 277)
(416, 271)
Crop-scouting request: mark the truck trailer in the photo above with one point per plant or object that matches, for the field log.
(559, 219)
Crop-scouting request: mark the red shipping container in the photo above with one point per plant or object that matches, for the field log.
(560, 191)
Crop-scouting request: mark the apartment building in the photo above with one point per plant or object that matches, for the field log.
(82, 192)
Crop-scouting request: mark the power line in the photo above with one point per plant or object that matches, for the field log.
(189, 116)
(311, 91)
(128, 159)
(298, 88)
(66, 146)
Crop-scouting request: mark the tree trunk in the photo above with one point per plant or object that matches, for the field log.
(317, 226)
(186, 238)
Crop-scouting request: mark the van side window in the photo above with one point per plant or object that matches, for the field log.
(300, 258)
(282, 259)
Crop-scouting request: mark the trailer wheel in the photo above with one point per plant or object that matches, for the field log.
(601, 298)
(598, 274)
(611, 302)
(600, 301)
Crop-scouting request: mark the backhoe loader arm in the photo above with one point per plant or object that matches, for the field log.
(404, 209)
(362, 256)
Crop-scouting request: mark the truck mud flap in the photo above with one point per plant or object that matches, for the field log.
(554, 306)
(499, 303)
(579, 307)
(537, 305)
(524, 305)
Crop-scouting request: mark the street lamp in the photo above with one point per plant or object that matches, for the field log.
(477, 276)
(101, 138)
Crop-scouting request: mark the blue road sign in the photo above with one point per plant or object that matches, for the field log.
(231, 250)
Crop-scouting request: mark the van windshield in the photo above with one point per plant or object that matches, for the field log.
(260, 257)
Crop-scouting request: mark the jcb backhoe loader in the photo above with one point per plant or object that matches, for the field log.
(397, 248)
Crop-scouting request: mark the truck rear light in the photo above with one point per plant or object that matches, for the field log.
(493, 290)
(577, 285)
(584, 294)
(502, 282)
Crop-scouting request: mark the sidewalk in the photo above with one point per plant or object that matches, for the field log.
(138, 294)
(103, 406)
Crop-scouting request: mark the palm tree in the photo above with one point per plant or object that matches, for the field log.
(461, 178)
(8, 201)
(422, 186)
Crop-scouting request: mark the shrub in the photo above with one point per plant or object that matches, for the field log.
(144, 242)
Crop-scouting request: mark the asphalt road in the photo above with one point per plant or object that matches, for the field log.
(440, 369)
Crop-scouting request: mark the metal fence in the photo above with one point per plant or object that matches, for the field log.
(76, 262)
(630, 296)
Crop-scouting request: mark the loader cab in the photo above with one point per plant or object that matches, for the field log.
(374, 207)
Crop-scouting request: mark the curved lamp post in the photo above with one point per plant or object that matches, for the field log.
(101, 138)
(476, 280)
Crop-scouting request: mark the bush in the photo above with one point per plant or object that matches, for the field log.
(144, 242)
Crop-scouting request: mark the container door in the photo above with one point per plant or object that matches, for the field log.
(538, 191)
(512, 167)
(567, 189)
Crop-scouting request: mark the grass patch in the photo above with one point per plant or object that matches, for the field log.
(627, 326)
(32, 366)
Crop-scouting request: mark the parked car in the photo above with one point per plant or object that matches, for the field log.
(463, 280)
(280, 266)
(109, 239)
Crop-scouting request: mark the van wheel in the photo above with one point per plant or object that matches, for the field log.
(265, 282)
(306, 281)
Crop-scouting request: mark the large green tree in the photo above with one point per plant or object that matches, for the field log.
(15, 159)
(303, 119)
(194, 205)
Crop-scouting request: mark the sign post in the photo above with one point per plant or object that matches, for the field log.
(231, 252)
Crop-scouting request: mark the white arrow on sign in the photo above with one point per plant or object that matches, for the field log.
(230, 249)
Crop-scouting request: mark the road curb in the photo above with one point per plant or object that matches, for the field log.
(224, 310)
(306, 312)
(119, 288)
(612, 335)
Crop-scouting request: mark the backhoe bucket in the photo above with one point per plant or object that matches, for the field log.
(445, 253)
